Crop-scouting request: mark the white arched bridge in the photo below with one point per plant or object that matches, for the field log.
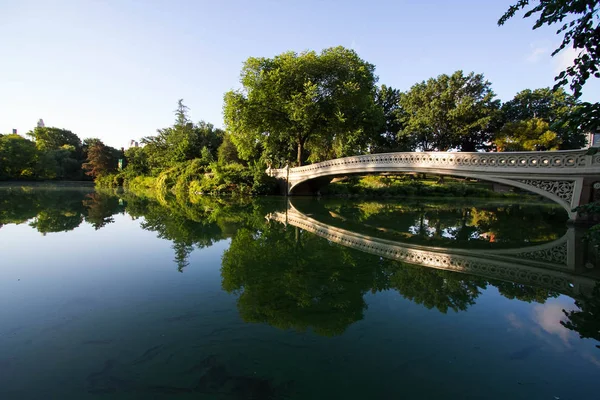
(562, 265)
(566, 177)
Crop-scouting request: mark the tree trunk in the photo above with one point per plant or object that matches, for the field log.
(300, 151)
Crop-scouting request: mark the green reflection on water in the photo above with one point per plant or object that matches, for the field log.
(292, 279)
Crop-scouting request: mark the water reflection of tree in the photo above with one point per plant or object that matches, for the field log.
(57, 210)
(287, 277)
(100, 209)
(196, 225)
(17, 206)
(443, 290)
(293, 279)
(513, 290)
(586, 320)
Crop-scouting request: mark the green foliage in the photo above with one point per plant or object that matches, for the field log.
(284, 276)
(137, 161)
(442, 290)
(585, 320)
(183, 141)
(581, 32)
(391, 136)
(18, 157)
(450, 111)
(512, 290)
(227, 152)
(530, 135)
(279, 275)
(315, 105)
(47, 138)
(206, 157)
(555, 107)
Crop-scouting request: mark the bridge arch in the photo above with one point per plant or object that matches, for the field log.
(559, 192)
(565, 177)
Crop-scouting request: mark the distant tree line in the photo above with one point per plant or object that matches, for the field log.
(54, 154)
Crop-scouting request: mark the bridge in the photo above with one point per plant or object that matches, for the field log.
(562, 265)
(568, 177)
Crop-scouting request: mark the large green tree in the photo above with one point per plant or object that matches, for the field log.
(49, 138)
(18, 157)
(450, 111)
(555, 107)
(308, 104)
(390, 136)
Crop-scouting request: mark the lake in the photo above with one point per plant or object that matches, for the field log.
(120, 296)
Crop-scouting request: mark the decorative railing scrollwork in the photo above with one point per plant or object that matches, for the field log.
(509, 160)
(562, 189)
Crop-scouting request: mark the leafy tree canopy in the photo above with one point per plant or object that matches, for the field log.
(181, 142)
(450, 111)
(18, 157)
(556, 107)
(48, 138)
(314, 105)
(530, 135)
(390, 136)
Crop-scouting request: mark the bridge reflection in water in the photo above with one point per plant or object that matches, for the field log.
(567, 265)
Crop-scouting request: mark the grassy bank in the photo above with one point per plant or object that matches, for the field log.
(403, 186)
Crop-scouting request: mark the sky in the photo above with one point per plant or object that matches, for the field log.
(114, 69)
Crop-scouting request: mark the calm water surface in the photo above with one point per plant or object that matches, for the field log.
(124, 297)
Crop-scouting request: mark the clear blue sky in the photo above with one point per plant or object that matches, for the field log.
(114, 69)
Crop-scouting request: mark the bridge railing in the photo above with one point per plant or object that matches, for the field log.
(531, 160)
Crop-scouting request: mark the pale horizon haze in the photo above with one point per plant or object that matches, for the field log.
(115, 69)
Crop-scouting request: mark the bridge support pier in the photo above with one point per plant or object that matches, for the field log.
(588, 194)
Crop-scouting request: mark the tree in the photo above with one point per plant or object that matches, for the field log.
(450, 111)
(227, 152)
(581, 32)
(48, 138)
(181, 142)
(555, 107)
(17, 157)
(530, 135)
(137, 161)
(207, 136)
(323, 103)
(391, 136)
(99, 160)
